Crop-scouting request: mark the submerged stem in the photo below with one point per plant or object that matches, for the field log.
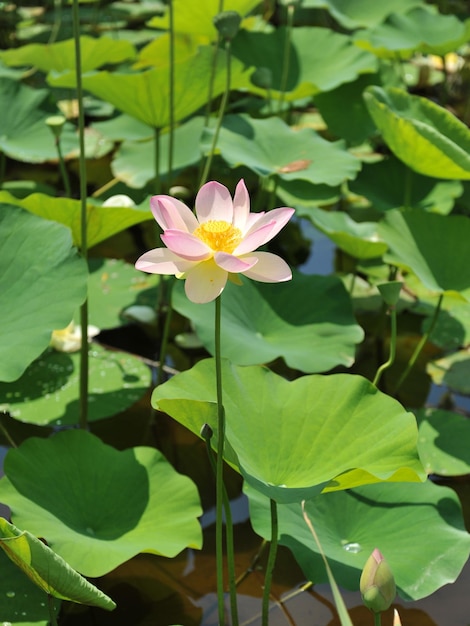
(270, 565)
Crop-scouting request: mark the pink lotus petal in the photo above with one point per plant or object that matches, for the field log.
(162, 261)
(172, 213)
(205, 282)
(255, 239)
(279, 216)
(234, 264)
(186, 246)
(241, 206)
(214, 202)
(269, 269)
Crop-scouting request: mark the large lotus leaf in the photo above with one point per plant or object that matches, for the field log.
(96, 506)
(271, 147)
(294, 439)
(423, 29)
(157, 52)
(435, 247)
(452, 329)
(319, 60)
(48, 393)
(362, 12)
(150, 101)
(424, 135)
(114, 285)
(124, 127)
(303, 195)
(357, 125)
(21, 599)
(196, 18)
(443, 442)
(386, 183)
(24, 134)
(60, 56)
(415, 526)
(133, 166)
(359, 239)
(309, 322)
(42, 282)
(102, 221)
(48, 570)
(452, 371)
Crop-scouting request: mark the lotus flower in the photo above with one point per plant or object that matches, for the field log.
(217, 243)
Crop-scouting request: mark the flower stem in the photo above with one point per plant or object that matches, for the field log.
(166, 330)
(63, 168)
(219, 484)
(207, 434)
(157, 181)
(223, 105)
(420, 345)
(270, 564)
(83, 420)
(171, 92)
(377, 619)
(393, 345)
(286, 60)
(52, 615)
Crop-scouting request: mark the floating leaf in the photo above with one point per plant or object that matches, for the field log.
(422, 29)
(350, 524)
(292, 440)
(133, 166)
(19, 595)
(42, 282)
(443, 442)
(49, 390)
(420, 241)
(25, 135)
(138, 502)
(452, 371)
(124, 127)
(362, 12)
(425, 136)
(269, 146)
(60, 56)
(48, 570)
(390, 184)
(261, 322)
(102, 221)
(319, 60)
(303, 195)
(359, 239)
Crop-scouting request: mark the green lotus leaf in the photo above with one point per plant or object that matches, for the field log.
(102, 221)
(261, 322)
(124, 127)
(420, 241)
(293, 439)
(442, 442)
(452, 328)
(25, 135)
(48, 570)
(42, 282)
(96, 506)
(359, 239)
(357, 125)
(452, 371)
(196, 18)
(386, 184)
(320, 60)
(114, 285)
(150, 101)
(19, 595)
(424, 135)
(270, 147)
(60, 56)
(423, 29)
(48, 393)
(391, 517)
(351, 15)
(157, 52)
(132, 165)
(303, 195)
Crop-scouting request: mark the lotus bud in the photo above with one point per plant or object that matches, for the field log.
(377, 583)
(227, 23)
